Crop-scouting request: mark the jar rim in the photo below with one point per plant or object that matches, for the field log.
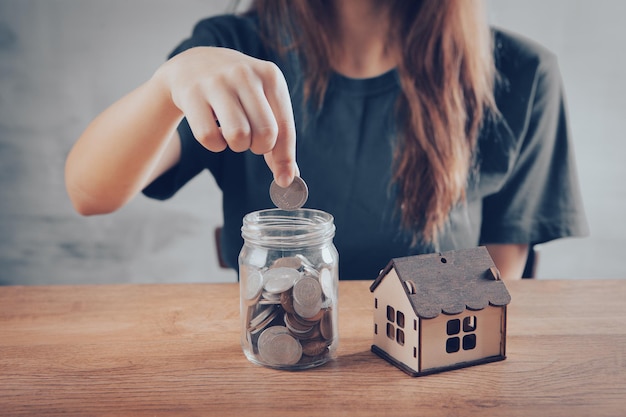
(288, 228)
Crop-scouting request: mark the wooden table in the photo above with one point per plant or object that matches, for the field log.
(154, 350)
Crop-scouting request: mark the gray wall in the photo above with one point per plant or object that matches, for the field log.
(63, 61)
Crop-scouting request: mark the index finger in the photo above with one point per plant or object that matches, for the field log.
(282, 158)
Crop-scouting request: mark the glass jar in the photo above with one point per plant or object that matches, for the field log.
(288, 277)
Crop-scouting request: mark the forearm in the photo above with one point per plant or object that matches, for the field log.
(130, 142)
(510, 259)
(116, 155)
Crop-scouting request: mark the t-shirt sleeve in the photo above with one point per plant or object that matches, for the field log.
(540, 199)
(193, 160)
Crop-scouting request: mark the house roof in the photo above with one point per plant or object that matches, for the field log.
(449, 282)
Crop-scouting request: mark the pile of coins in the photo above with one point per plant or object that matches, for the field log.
(289, 312)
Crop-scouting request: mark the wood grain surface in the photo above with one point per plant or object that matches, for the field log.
(158, 350)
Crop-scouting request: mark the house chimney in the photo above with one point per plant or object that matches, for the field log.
(493, 273)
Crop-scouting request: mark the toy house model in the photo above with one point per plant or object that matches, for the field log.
(440, 311)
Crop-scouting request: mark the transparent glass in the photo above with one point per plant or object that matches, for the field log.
(288, 275)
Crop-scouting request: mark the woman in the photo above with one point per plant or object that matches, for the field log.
(402, 132)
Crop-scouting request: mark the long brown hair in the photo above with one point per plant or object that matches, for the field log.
(446, 72)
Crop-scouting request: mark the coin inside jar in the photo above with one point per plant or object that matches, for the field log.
(278, 347)
(280, 279)
(289, 262)
(292, 197)
(307, 297)
(253, 286)
(313, 347)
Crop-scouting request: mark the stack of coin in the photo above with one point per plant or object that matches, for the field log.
(289, 312)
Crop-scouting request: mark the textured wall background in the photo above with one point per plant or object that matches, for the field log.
(64, 61)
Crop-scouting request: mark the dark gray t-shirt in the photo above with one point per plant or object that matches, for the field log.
(525, 189)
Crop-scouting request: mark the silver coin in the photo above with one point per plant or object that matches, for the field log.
(269, 301)
(311, 272)
(253, 284)
(288, 262)
(269, 296)
(264, 323)
(260, 316)
(307, 297)
(307, 266)
(291, 198)
(270, 333)
(278, 348)
(327, 282)
(308, 312)
(304, 260)
(280, 279)
(307, 292)
(326, 325)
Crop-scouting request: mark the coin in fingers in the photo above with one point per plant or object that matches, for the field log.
(290, 198)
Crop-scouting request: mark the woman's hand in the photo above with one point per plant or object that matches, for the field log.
(236, 101)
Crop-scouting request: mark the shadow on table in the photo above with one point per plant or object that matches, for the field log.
(349, 362)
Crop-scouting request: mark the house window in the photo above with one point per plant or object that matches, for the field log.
(391, 331)
(391, 314)
(395, 317)
(469, 341)
(469, 324)
(453, 328)
(400, 337)
(452, 344)
(410, 287)
(400, 319)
